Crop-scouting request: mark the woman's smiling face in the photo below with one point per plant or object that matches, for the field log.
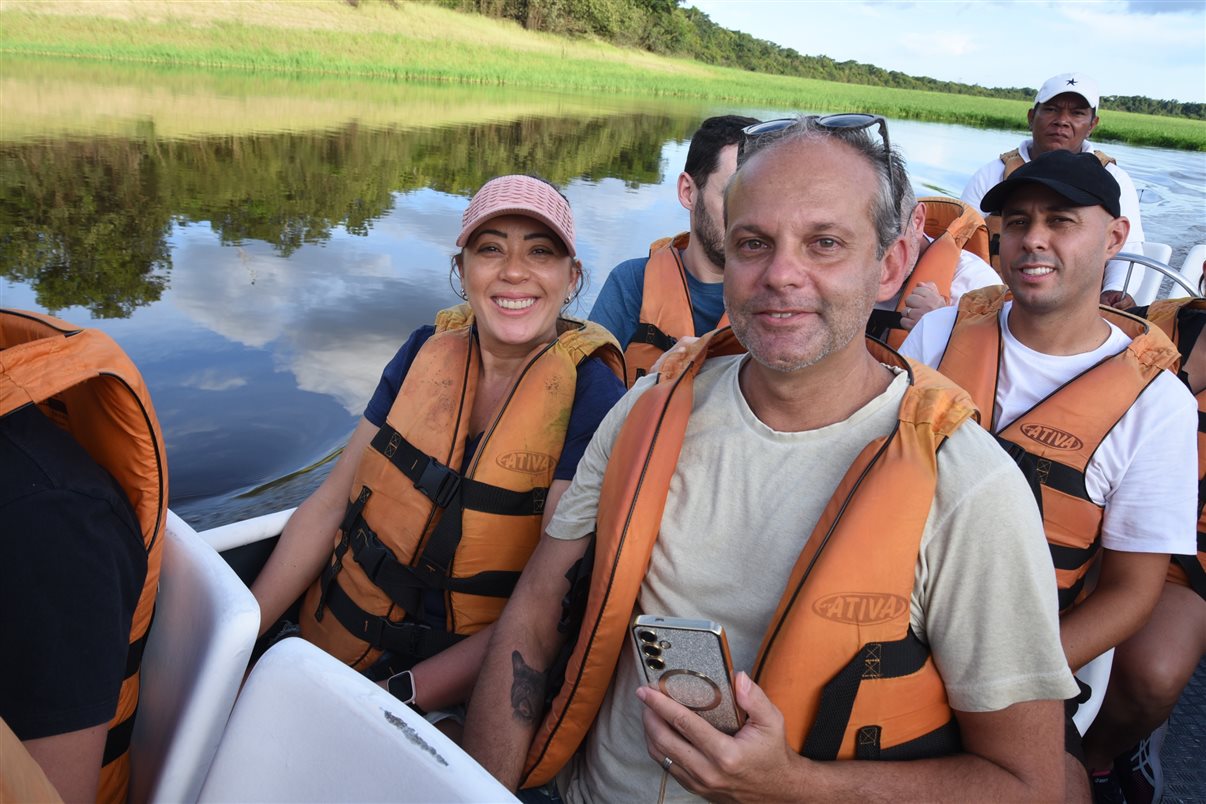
(517, 274)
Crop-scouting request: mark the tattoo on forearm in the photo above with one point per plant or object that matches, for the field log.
(527, 690)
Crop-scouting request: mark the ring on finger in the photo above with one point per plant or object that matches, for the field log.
(666, 763)
(907, 311)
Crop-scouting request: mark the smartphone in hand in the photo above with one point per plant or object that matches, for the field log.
(689, 661)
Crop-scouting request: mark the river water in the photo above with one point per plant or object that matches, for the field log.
(260, 247)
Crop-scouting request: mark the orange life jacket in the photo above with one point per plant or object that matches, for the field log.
(1013, 160)
(87, 385)
(1167, 315)
(955, 227)
(1055, 439)
(838, 657)
(666, 311)
(396, 541)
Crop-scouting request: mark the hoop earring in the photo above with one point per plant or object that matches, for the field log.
(458, 291)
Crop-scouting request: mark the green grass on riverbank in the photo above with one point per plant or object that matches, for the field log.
(412, 41)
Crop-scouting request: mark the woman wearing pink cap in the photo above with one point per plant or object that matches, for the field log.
(413, 543)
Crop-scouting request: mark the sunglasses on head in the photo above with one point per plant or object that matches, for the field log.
(837, 122)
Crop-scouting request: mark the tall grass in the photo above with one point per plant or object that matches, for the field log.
(416, 42)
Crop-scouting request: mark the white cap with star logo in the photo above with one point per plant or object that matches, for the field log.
(1078, 83)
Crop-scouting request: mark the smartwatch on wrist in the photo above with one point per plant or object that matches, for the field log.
(402, 686)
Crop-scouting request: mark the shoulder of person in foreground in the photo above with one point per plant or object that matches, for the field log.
(987, 592)
(987, 584)
(927, 340)
(578, 507)
(618, 307)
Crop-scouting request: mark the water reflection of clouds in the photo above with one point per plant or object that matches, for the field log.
(213, 379)
(616, 222)
(330, 315)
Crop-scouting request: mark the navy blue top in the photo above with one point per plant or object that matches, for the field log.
(618, 307)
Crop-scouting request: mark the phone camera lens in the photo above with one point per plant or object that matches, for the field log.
(647, 636)
(656, 664)
(651, 650)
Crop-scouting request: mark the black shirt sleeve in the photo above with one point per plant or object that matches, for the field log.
(73, 571)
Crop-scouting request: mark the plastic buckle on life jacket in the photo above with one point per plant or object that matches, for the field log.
(349, 519)
(370, 553)
(438, 483)
(404, 638)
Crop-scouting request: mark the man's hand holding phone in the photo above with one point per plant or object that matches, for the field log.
(754, 763)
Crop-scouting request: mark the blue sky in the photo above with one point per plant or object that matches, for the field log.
(1155, 48)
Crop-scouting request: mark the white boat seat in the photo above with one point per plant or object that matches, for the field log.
(247, 531)
(1191, 269)
(308, 728)
(1148, 273)
(205, 625)
(1143, 282)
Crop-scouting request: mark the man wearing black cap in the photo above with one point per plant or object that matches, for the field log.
(1063, 117)
(1079, 396)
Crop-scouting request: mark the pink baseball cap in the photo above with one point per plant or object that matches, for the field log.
(519, 195)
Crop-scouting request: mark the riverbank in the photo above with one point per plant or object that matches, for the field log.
(406, 41)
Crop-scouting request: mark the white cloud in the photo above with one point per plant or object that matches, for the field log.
(955, 44)
(212, 379)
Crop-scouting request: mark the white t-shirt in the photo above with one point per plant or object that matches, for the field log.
(991, 174)
(971, 273)
(1144, 472)
(743, 501)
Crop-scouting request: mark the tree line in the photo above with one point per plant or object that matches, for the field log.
(666, 28)
(87, 222)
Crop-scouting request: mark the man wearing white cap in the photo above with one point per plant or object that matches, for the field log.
(1063, 117)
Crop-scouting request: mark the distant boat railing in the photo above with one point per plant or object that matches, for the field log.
(1159, 267)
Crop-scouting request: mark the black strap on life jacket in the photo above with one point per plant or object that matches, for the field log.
(117, 741)
(450, 491)
(882, 322)
(1193, 569)
(650, 334)
(1190, 323)
(404, 584)
(408, 639)
(876, 660)
(1202, 479)
(1042, 471)
(941, 741)
(441, 484)
(1039, 472)
(455, 494)
(350, 517)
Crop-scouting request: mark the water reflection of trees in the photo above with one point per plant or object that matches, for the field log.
(86, 223)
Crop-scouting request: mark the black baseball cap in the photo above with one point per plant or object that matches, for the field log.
(1080, 178)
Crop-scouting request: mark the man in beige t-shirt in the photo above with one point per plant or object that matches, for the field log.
(769, 438)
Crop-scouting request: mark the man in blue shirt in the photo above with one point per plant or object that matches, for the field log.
(650, 302)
